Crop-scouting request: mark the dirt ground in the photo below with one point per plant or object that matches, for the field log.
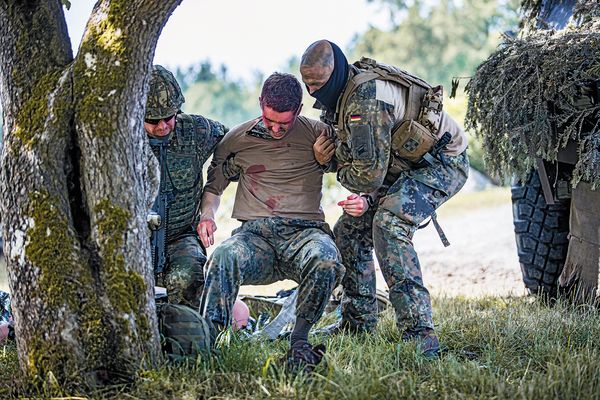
(482, 259)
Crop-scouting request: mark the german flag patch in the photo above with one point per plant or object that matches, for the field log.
(355, 118)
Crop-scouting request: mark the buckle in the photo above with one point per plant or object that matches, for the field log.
(433, 105)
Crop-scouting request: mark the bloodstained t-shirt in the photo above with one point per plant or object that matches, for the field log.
(280, 177)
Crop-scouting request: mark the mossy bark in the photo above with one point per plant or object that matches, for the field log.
(74, 188)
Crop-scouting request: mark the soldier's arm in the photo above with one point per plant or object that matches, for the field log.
(365, 161)
(216, 184)
(209, 134)
(218, 131)
(208, 226)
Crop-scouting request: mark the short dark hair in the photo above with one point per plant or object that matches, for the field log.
(282, 92)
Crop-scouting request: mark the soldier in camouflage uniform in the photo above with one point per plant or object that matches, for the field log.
(188, 141)
(6, 320)
(283, 233)
(392, 196)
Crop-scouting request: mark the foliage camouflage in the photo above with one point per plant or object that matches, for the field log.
(508, 97)
(191, 145)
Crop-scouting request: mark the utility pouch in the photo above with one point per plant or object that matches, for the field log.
(431, 109)
(411, 140)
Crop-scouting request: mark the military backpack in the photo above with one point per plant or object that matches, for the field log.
(416, 133)
(185, 334)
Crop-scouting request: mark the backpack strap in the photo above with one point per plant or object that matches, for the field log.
(368, 69)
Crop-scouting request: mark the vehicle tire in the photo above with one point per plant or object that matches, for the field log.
(542, 232)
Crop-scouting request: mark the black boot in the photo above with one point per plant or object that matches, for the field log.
(426, 339)
(302, 357)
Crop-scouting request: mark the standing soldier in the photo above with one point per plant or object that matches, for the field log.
(182, 144)
(402, 157)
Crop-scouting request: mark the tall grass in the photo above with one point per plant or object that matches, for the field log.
(495, 348)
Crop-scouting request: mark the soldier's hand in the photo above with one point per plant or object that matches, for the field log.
(354, 205)
(324, 148)
(231, 170)
(206, 230)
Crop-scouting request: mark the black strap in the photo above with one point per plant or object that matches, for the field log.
(438, 228)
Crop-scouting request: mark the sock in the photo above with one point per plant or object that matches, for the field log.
(300, 332)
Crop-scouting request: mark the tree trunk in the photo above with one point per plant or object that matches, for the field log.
(74, 189)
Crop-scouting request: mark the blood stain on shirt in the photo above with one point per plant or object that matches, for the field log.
(273, 201)
(256, 169)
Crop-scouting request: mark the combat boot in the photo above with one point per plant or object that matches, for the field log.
(426, 339)
(304, 358)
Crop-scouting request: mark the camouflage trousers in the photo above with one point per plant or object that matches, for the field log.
(5, 311)
(389, 228)
(183, 276)
(267, 250)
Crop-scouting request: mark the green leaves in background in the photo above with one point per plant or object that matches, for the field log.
(435, 40)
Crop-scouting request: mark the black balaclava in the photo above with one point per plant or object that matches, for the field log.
(330, 92)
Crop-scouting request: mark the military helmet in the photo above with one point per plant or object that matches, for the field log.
(164, 96)
(185, 333)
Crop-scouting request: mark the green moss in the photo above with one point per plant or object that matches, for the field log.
(52, 248)
(34, 28)
(32, 116)
(111, 30)
(126, 289)
(96, 82)
(64, 281)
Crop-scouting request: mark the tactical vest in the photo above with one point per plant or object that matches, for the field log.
(417, 131)
(183, 173)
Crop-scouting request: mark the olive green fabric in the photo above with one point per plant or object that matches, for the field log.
(579, 279)
(185, 334)
(190, 145)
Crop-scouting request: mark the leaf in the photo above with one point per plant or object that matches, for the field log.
(455, 83)
(66, 3)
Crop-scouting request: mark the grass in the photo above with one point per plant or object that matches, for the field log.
(497, 348)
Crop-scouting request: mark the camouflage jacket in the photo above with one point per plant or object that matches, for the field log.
(190, 146)
(364, 151)
(370, 113)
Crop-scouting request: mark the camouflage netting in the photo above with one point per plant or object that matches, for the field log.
(532, 84)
